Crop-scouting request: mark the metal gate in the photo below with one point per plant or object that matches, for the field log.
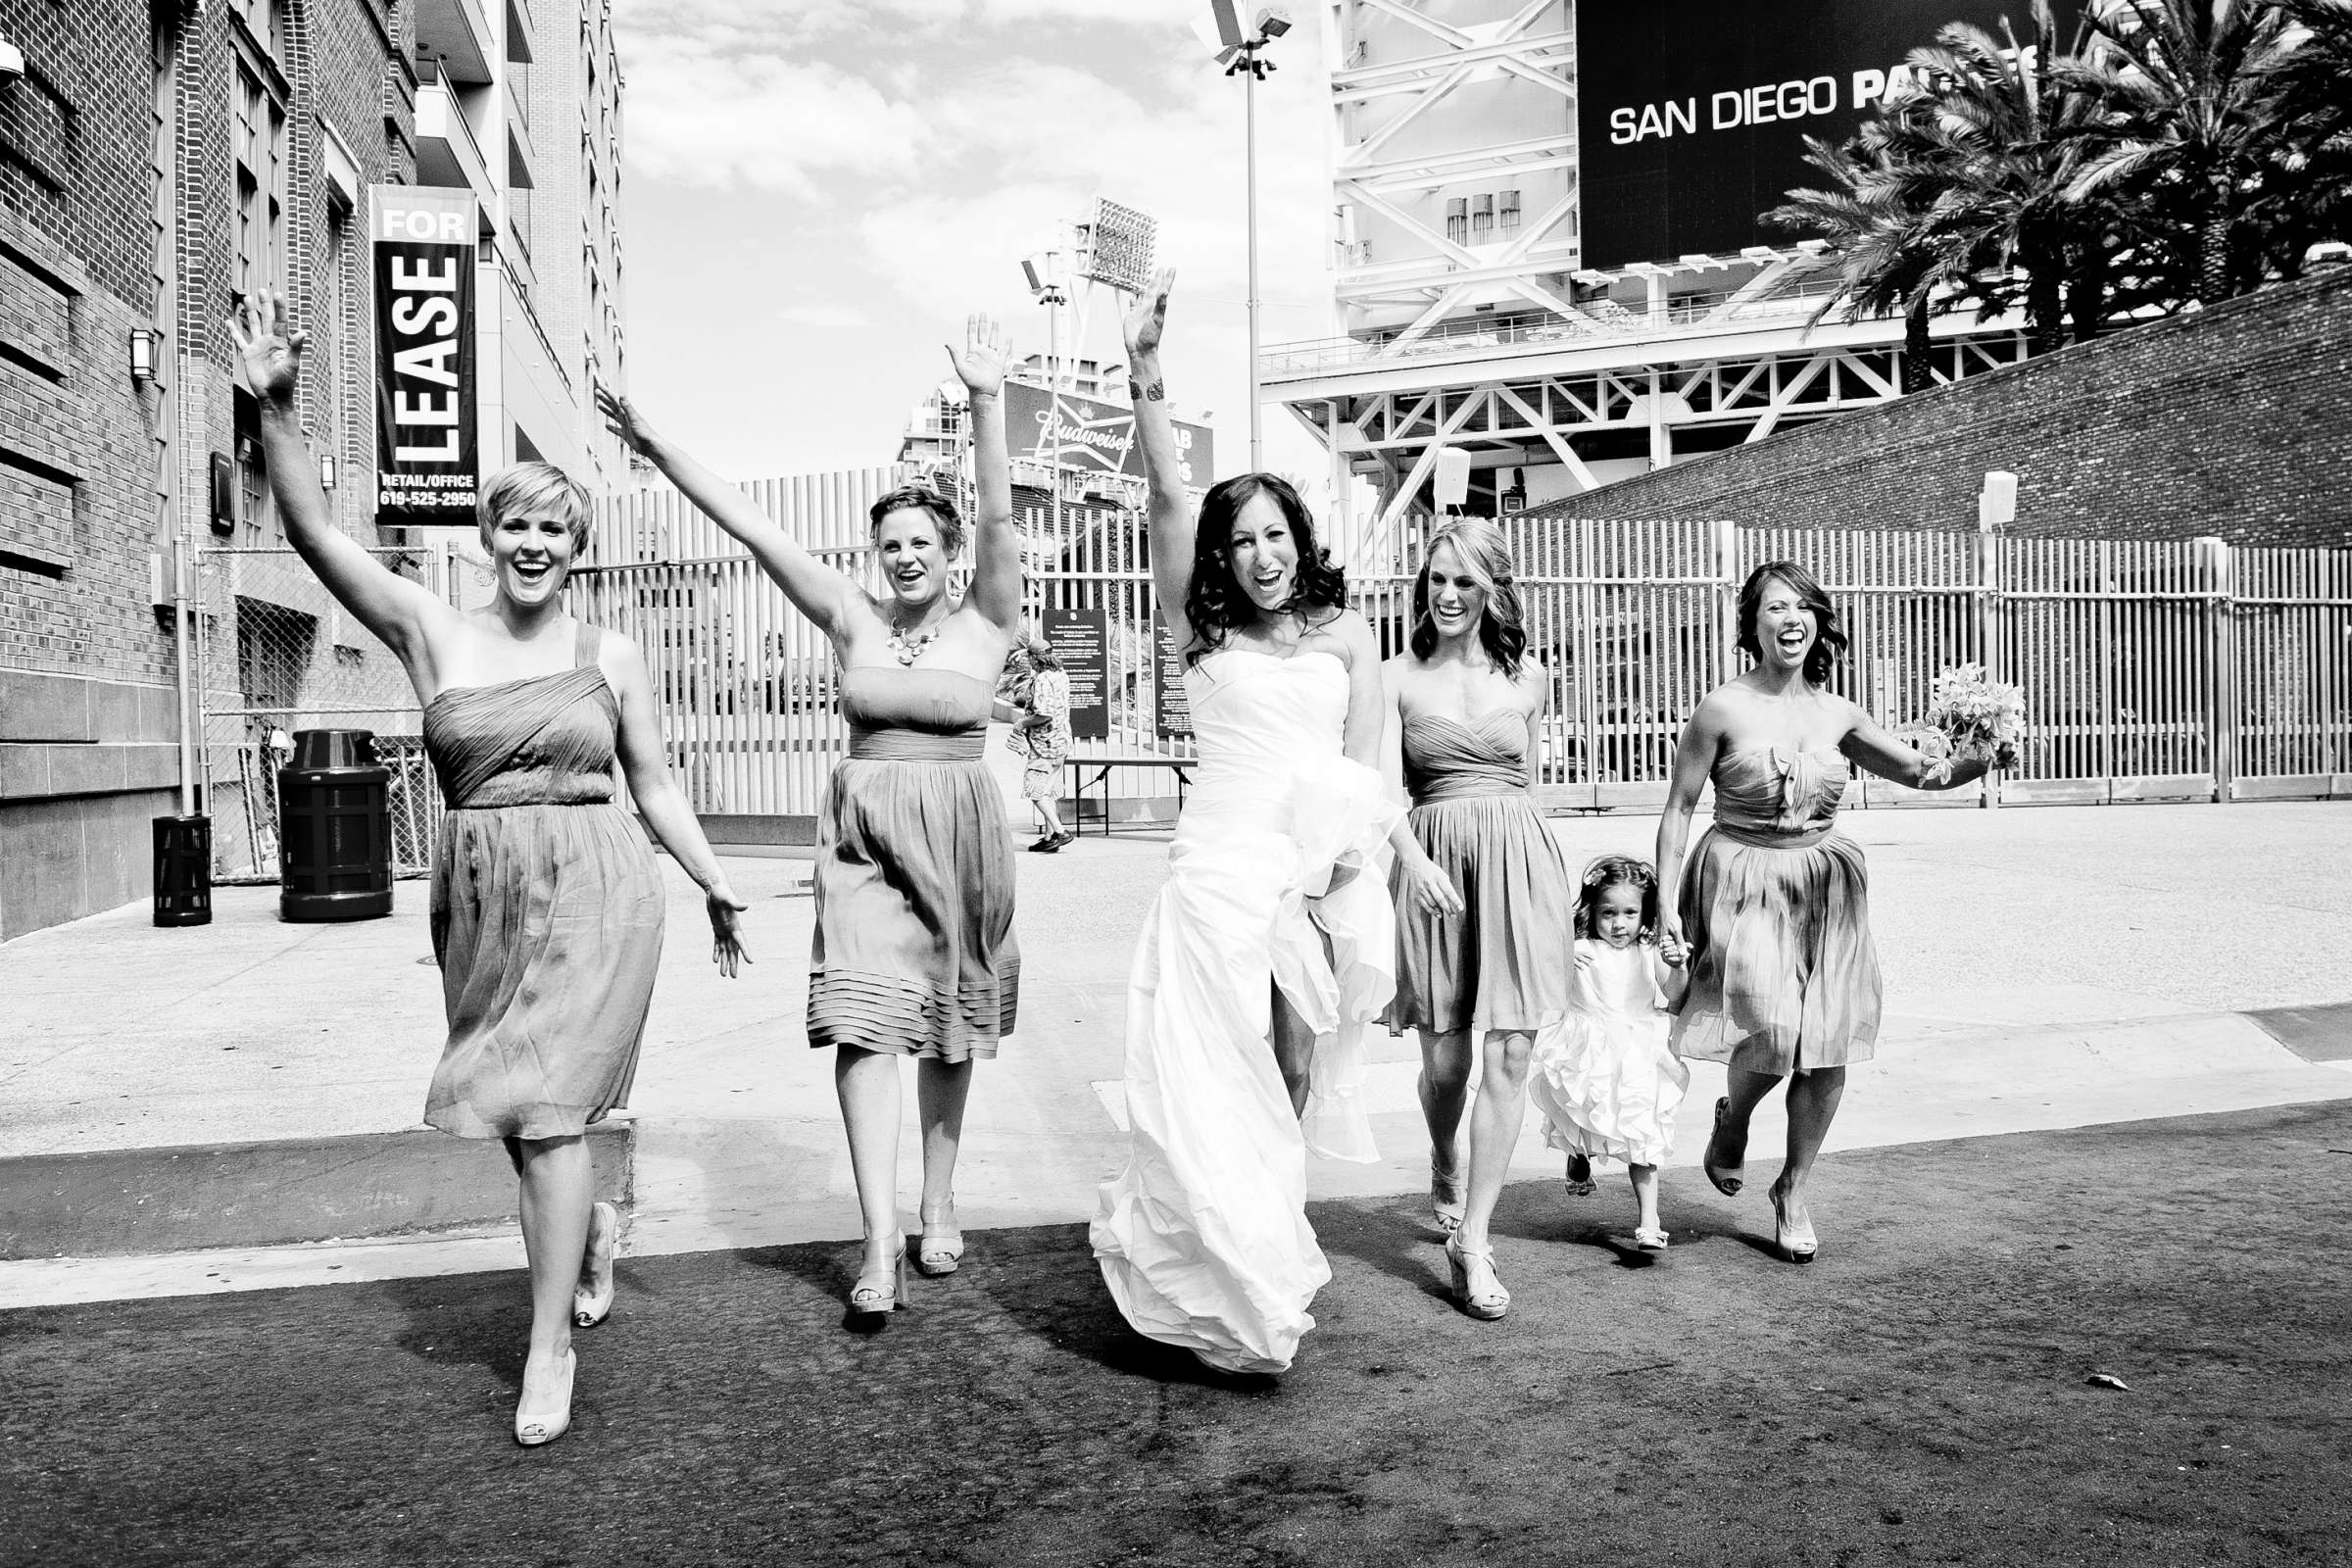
(273, 654)
(2152, 669)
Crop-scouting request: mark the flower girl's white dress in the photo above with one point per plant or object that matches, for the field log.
(1604, 1079)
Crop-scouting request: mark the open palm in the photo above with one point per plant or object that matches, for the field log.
(985, 358)
(272, 356)
(622, 419)
(1147, 314)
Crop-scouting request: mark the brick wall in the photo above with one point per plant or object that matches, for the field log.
(107, 227)
(2234, 421)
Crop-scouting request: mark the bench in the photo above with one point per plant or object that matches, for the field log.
(1181, 767)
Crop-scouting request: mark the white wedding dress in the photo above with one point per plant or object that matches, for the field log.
(1203, 1237)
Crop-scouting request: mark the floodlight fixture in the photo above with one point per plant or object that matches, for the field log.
(1115, 246)
(1244, 56)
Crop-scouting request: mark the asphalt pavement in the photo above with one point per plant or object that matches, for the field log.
(2114, 1345)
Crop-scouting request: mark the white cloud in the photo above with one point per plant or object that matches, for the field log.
(829, 317)
(699, 114)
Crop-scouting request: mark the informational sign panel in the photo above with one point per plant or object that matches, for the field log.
(1691, 113)
(1095, 437)
(1171, 709)
(1080, 638)
(428, 445)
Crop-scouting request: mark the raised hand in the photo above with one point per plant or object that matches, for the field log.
(1147, 314)
(272, 356)
(986, 355)
(624, 420)
(726, 929)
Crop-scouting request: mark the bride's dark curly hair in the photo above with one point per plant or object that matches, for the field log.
(1214, 603)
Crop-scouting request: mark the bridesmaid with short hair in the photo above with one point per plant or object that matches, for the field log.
(547, 903)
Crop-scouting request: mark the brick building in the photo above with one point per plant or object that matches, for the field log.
(2231, 421)
(156, 162)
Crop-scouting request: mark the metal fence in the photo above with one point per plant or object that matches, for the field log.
(2152, 669)
(274, 653)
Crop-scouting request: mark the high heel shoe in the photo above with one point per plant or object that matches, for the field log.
(592, 1297)
(548, 1423)
(1796, 1245)
(1448, 1211)
(1723, 1173)
(872, 1300)
(940, 1249)
(1490, 1302)
(1650, 1239)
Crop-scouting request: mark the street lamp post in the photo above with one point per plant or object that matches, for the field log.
(1242, 54)
(1047, 288)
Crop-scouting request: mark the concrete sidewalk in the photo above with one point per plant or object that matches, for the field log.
(2045, 968)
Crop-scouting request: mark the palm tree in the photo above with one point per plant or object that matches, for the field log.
(2000, 124)
(2307, 194)
(1877, 213)
(2189, 128)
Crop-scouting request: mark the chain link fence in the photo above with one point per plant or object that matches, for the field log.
(275, 654)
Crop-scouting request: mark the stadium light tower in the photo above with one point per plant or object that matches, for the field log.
(1242, 54)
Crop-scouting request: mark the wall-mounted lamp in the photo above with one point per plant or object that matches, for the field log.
(326, 471)
(142, 354)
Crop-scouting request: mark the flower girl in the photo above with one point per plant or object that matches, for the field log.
(1605, 1081)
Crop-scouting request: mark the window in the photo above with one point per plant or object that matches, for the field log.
(259, 133)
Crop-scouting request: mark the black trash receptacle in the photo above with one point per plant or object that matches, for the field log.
(183, 871)
(334, 828)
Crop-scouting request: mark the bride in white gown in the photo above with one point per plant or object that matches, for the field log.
(1272, 947)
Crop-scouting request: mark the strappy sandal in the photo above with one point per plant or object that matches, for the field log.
(940, 1249)
(880, 1301)
(1448, 1212)
(1650, 1239)
(1725, 1176)
(1486, 1299)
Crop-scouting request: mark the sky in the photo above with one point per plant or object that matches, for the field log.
(818, 192)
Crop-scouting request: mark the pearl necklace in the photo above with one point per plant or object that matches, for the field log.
(909, 647)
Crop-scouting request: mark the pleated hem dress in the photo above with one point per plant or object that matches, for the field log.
(1776, 906)
(546, 906)
(1503, 963)
(915, 952)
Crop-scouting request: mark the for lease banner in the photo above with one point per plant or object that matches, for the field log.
(428, 446)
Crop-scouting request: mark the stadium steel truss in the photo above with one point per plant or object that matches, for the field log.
(1466, 318)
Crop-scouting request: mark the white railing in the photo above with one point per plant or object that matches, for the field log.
(1601, 321)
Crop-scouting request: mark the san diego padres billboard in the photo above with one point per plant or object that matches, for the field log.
(1691, 113)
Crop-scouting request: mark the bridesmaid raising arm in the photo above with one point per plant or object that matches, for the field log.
(915, 953)
(546, 903)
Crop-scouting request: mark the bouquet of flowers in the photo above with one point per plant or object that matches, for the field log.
(1983, 721)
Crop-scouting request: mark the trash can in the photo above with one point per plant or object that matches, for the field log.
(334, 828)
(183, 871)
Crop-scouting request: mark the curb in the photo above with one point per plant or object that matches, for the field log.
(115, 1202)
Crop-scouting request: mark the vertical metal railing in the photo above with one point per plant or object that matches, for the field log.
(2152, 669)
